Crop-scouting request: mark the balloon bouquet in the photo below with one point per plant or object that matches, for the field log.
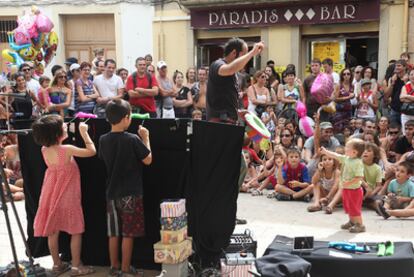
(33, 40)
(322, 89)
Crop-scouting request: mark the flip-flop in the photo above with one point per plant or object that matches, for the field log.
(312, 209)
(328, 210)
(81, 270)
(60, 269)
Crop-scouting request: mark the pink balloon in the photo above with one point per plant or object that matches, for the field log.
(306, 125)
(43, 23)
(301, 109)
(322, 87)
(21, 35)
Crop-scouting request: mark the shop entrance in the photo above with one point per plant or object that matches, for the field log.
(346, 50)
(362, 51)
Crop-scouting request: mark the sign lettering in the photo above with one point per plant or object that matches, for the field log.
(322, 13)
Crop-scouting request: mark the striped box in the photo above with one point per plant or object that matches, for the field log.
(173, 208)
(235, 270)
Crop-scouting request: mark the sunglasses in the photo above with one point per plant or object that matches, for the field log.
(62, 77)
(357, 72)
(152, 71)
(26, 69)
(347, 74)
(263, 76)
(285, 136)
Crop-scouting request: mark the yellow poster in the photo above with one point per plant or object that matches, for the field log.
(329, 49)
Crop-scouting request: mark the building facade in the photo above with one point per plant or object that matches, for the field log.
(122, 28)
(351, 32)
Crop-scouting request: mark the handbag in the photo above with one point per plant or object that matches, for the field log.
(408, 108)
(260, 109)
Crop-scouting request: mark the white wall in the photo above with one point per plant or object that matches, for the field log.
(135, 33)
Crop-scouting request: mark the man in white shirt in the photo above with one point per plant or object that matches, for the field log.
(31, 83)
(109, 86)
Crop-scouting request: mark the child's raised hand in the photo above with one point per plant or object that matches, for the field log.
(143, 132)
(322, 150)
(83, 128)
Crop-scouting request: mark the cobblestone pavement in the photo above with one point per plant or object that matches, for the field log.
(266, 219)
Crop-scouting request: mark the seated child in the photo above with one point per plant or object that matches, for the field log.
(400, 190)
(250, 180)
(278, 158)
(293, 180)
(325, 183)
(372, 183)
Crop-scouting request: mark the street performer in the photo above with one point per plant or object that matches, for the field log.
(222, 86)
(223, 90)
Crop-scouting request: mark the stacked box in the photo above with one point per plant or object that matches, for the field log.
(171, 237)
(172, 253)
(175, 246)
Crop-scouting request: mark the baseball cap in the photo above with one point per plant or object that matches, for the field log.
(365, 81)
(71, 60)
(326, 125)
(161, 64)
(74, 66)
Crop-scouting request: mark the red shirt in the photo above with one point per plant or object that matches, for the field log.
(147, 103)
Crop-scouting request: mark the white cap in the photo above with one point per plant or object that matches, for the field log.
(161, 64)
(74, 66)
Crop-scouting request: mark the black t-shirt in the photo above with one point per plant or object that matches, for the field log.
(402, 145)
(122, 153)
(22, 106)
(182, 95)
(395, 97)
(222, 93)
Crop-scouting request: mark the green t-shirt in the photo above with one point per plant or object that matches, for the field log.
(351, 168)
(406, 189)
(373, 175)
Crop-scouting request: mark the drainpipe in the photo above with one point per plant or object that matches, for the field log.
(161, 36)
(405, 27)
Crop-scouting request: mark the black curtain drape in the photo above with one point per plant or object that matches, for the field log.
(196, 160)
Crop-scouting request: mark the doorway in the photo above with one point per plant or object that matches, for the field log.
(362, 51)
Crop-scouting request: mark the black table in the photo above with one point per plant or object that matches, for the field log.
(400, 264)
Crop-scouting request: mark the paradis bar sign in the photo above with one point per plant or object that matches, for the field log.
(293, 14)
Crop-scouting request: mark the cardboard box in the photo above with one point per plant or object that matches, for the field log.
(241, 270)
(172, 253)
(172, 237)
(173, 208)
(173, 223)
(176, 270)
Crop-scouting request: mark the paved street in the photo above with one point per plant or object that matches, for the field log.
(266, 218)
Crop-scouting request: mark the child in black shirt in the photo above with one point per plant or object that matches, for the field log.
(124, 155)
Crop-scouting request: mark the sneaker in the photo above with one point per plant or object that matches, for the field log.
(283, 197)
(114, 272)
(357, 228)
(347, 225)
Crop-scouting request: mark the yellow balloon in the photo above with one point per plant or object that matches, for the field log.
(6, 55)
(28, 54)
(53, 39)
